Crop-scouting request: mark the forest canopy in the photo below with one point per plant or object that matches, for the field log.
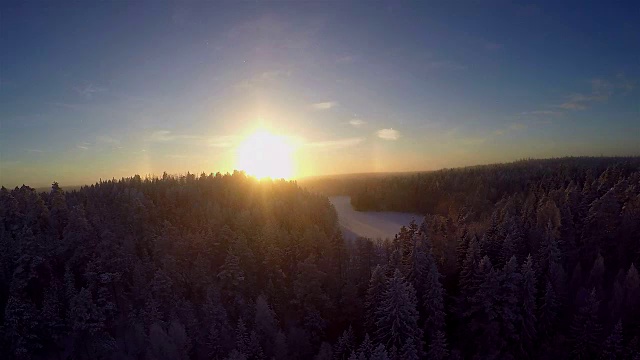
(532, 259)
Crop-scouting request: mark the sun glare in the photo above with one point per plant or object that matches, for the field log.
(265, 155)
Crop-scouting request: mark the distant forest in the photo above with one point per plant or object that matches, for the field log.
(535, 259)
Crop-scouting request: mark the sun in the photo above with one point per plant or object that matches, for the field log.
(265, 155)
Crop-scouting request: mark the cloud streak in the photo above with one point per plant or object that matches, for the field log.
(601, 91)
(540, 112)
(388, 134)
(84, 145)
(624, 84)
(264, 78)
(336, 144)
(65, 105)
(357, 122)
(582, 101)
(88, 90)
(324, 105)
(166, 136)
(108, 140)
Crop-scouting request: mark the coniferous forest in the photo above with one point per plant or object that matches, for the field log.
(535, 259)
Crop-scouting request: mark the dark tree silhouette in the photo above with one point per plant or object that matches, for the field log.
(228, 267)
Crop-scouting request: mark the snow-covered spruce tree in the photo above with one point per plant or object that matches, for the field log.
(373, 299)
(509, 310)
(397, 314)
(527, 326)
(432, 298)
(586, 328)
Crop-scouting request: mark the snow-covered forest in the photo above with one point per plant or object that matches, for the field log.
(533, 259)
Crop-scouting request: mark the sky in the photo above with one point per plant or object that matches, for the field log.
(101, 90)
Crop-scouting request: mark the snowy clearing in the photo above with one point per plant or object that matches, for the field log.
(369, 224)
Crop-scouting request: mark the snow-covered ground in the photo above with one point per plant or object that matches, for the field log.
(369, 224)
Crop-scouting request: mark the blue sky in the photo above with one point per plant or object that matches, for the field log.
(109, 89)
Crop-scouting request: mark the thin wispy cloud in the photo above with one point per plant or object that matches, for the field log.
(388, 134)
(324, 105)
(34, 150)
(161, 136)
(164, 136)
(65, 105)
(89, 90)
(105, 139)
(540, 117)
(582, 101)
(263, 78)
(624, 84)
(336, 144)
(540, 112)
(84, 145)
(357, 122)
(601, 91)
(573, 105)
(602, 88)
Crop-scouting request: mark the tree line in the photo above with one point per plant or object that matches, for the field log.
(537, 260)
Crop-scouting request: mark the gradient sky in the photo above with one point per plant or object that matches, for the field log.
(93, 90)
